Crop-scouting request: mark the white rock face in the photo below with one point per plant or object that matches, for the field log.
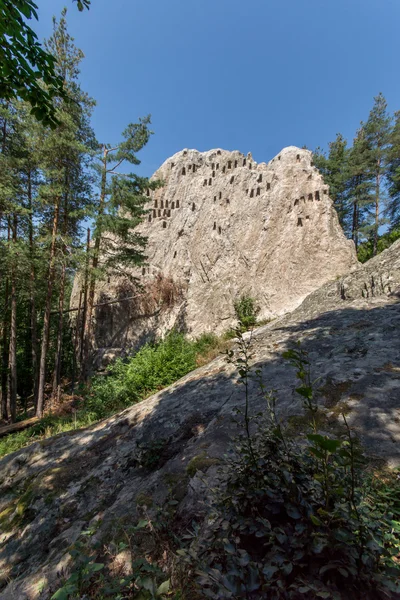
(223, 226)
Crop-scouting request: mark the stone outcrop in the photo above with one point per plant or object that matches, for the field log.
(52, 490)
(223, 226)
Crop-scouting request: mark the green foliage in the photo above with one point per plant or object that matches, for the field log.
(366, 249)
(24, 62)
(246, 311)
(122, 201)
(393, 176)
(297, 520)
(27, 71)
(89, 578)
(148, 454)
(334, 169)
(364, 178)
(154, 367)
(206, 342)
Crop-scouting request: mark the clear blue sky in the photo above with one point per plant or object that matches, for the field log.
(237, 74)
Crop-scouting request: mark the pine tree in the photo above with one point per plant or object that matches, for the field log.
(334, 169)
(13, 211)
(116, 245)
(358, 187)
(66, 153)
(378, 131)
(393, 175)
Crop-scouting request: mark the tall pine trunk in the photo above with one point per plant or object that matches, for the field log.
(4, 361)
(354, 225)
(76, 339)
(13, 327)
(95, 263)
(57, 364)
(32, 300)
(377, 202)
(58, 357)
(46, 319)
(5, 323)
(84, 310)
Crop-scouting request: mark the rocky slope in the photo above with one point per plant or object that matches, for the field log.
(221, 226)
(51, 491)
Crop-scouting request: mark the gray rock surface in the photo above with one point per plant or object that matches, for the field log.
(66, 483)
(223, 226)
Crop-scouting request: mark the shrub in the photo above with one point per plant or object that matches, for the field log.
(293, 520)
(365, 249)
(154, 367)
(246, 311)
(90, 579)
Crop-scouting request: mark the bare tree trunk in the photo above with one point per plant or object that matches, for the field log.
(4, 362)
(84, 311)
(57, 365)
(354, 225)
(377, 202)
(13, 328)
(46, 320)
(76, 337)
(32, 301)
(5, 324)
(95, 263)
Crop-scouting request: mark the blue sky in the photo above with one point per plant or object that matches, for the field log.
(251, 76)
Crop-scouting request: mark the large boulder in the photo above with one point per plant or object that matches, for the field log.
(221, 226)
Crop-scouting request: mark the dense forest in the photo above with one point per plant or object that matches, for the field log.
(62, 197)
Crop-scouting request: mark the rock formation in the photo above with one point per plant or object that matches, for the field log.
(52, 490)
(223, 226)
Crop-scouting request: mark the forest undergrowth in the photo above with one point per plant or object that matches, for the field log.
(126, 382)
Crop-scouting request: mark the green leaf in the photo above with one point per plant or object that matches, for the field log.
(315, 520)
(305, 391)
(229, 548)
(319, 544)
(324, 442)
(142, 524)
(287, 568)
(164, 588)
(293, 511)
(147, 583)
(61, 594)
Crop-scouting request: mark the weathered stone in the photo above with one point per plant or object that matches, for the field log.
(223, 226)
(353, 343)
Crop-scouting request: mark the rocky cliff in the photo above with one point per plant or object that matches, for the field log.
(222, 226)
(53, 490)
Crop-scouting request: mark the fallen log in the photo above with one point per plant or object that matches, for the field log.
(20, 426)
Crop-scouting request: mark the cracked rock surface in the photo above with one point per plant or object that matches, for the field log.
(52, 490)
